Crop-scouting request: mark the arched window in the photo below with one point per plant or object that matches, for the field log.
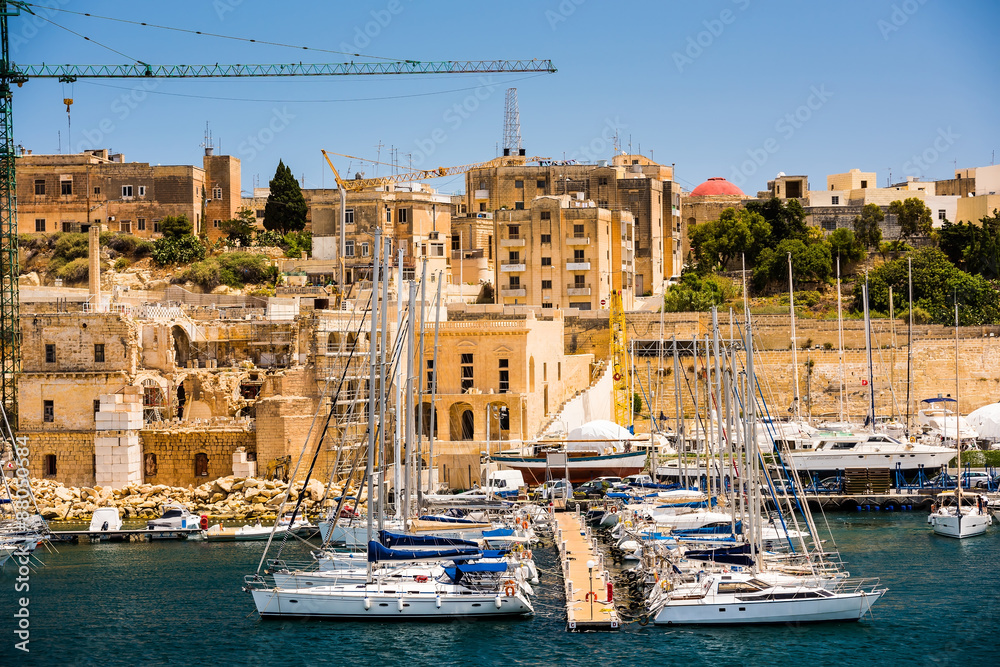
(149, 465)
(201, 464)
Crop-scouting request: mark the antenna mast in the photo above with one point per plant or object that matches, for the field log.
(511, 124)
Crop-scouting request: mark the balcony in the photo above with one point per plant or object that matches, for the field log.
(511, 243)
(578, 240)
(578, 289)
(513, 290)
(507, 266)
(574, 265)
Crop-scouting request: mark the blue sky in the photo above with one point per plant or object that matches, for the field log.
(735, 88)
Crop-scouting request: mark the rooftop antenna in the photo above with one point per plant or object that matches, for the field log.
(511, 124)
(207, 142)
(378, 156)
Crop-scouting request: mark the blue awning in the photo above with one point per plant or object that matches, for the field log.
(499, 532)
(456, 572)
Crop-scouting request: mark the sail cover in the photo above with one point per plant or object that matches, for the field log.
(455, 573)
(378, 553)
(600, 435)
(728, 555)
(395, 540)
(986, 421)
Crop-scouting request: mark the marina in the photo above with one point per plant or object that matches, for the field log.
(589, 593)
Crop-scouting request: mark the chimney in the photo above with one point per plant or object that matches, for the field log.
(95, 266)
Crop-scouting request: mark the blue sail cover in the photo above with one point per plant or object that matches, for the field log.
(499, 532)
(727, 555)
(486, 553)
(445, 519)
(709, 530)
(395, 540)
(378, 553)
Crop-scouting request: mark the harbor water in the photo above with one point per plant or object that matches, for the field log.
(179, 603)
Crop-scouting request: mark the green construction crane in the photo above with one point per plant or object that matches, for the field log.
(10, 332)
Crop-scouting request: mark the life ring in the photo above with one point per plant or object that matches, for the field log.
(420, 578)
(509, 591)
(527, 554)
(628, 524)
(618, 376)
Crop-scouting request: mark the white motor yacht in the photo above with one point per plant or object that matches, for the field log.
(939, 424)
(951, 519)
(828, 452)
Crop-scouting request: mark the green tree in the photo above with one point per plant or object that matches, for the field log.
(176, 226)
(974, 248)
(787, 219)
(845, 245)
(811, 263)
(699, 293)
(718, 242)
(913, 217)
(868, 226)
(285, 210)
(241, 228)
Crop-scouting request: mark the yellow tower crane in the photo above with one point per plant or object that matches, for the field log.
(621, 363)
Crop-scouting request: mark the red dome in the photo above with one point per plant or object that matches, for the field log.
(716, 186)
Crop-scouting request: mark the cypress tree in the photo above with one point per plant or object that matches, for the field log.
(285, 210)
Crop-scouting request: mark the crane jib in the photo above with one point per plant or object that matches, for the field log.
(143, 70)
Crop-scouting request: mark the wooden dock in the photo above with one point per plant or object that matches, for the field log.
(125, 535)
(587, 603)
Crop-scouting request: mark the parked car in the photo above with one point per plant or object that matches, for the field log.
(828, 485)
(593, 489)
(986, 482)
(942, 480)
(555, 488)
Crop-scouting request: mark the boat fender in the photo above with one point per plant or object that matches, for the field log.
(611, 592)
(399, 603)
(368, 604)
(437, 601)
(527, 554)
(204, 522)
(497, 602)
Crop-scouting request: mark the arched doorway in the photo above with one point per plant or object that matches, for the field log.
(462, 422)
(428, 421)
(498, 414)
(182, 345)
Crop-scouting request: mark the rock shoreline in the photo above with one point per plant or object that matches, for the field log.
(227, 498)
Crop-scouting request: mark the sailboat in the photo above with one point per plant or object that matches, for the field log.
(950, 518)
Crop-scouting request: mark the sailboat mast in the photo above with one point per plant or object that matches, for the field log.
(958, 443)
(383, 392)
(410, 426)
(372, 386)
(398, 442)
(420, 390)
(795, 343)
(750, 446)
(909, 340)
(868, 347)
(840, 342)
(434, 387)
(681, 458)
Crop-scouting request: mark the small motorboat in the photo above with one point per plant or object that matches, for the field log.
(106, 520)
(176, 523)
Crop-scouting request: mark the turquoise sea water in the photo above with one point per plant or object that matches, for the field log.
(180, 603)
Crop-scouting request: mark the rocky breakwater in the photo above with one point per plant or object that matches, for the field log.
(225, 498)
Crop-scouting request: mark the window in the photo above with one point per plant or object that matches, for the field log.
(514, 257)
(349, 249)
(349, 216)
(97, 406)
(602, 203)
(467, 376)
(142, 190)
(140, 224)
(99, 353)
(546, 261)
(546, 305)
(504, 375)
(364, 249)
(48, 411)
(578, 232)
(66, 187)
(216, 193)
(545, 215)
(125, 226)
(437, 250)
(829, 225)
(39, 224)
(546, 284)
(456, 242)
(579, 281)
(39, 186)
(835, 200)
(580, 305)
(97, 190)
(50, 353)
(941, 214)
(578, 255)
(201, 464)
(430, 375)
(482, 206)
(540, 184)
(514, 232)
(864, 184)
(602, 180)
(260, 213)
(545, 371)
(68, 226)
(546, 238)
(216, 223)
(515, 282)
(519, 206)
(126, 191)
(558, 370)
(402, 216)
(156, 226)
(519, 184)
(50, 465)
(490, 245)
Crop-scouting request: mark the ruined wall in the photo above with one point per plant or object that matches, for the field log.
(74, 454)
(175, 451)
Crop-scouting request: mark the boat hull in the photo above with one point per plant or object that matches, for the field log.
(971, 525)
(832, 461)
(846, 607)
(580, 468)
(350, 605)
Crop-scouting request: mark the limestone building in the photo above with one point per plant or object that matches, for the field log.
(69, 193)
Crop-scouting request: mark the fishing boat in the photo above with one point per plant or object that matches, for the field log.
(595, 449)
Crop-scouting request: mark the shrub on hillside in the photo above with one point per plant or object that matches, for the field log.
(234, 269)
(182, 250)
(76, 271)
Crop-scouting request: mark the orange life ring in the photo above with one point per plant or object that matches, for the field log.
(527, 554)
(509, 591)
